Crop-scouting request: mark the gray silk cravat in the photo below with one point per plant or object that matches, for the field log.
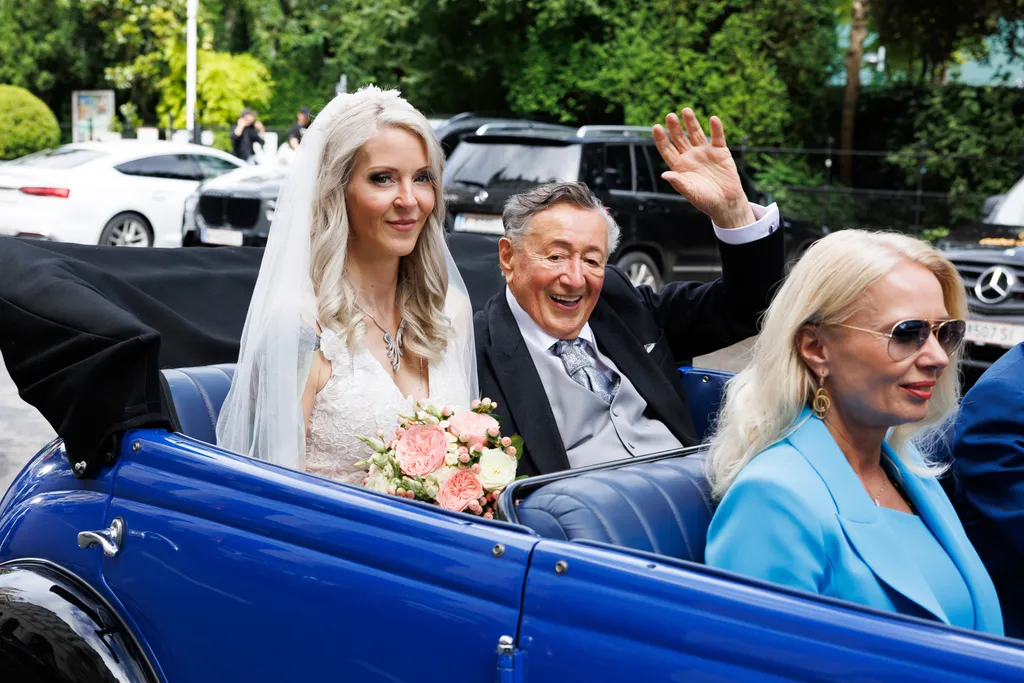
(581, 368)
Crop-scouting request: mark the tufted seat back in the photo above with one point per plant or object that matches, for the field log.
(662, 507)
(197, 395)
(657, 504)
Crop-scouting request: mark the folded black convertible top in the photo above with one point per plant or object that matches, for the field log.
(85, 330)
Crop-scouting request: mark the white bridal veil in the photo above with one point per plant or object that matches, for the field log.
(262, 415)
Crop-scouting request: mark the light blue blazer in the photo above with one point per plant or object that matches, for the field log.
(798, 515)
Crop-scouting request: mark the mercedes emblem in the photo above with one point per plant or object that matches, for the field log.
(995, 285)
(481, 197)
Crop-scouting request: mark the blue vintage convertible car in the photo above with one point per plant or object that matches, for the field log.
(169, 559)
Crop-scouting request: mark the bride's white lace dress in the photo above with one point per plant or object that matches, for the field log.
(361, 397)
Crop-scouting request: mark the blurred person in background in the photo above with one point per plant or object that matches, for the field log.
(248, 132)
(298, 129)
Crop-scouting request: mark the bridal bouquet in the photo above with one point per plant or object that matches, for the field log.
(454, 458)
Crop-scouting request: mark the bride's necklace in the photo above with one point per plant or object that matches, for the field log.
(394, 345)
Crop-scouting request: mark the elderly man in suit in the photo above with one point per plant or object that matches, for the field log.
(988, 452)
(583, 364)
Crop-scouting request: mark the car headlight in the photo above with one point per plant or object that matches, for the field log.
(268, 208)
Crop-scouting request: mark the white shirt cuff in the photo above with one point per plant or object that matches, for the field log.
(767, 222)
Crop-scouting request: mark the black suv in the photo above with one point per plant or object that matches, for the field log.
(664, 237)
(990, 259)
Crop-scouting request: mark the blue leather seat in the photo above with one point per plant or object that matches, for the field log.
(703, 394)
(662, 507)
(197, 395)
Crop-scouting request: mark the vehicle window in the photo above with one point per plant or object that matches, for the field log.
(618, 167)
(62, 157)
(513, 166)
(170, 166)
(659, 166)
(212, 166)
(644, 178)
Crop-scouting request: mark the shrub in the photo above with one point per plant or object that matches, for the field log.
(26, 124)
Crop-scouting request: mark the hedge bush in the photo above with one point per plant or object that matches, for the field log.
(26, 124)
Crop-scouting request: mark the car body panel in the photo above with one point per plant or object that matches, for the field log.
(231, 568)
(45, 508)
(313, 575)
(98, 192)
(609, 614)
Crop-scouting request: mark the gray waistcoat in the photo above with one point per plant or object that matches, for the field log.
(592, 431)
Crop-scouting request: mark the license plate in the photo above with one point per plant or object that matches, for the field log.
(996, 334)
(230, 238)
(478, 222)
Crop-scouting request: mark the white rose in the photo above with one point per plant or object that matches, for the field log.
(497, 469)
(377, 482)
(451, 460)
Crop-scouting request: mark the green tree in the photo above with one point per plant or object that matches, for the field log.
(639, 60)
(51, 48)
(974, 141)
(26, 124)
(148, 41)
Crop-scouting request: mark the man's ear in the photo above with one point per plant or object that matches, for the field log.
(810, 344)
(506, 257)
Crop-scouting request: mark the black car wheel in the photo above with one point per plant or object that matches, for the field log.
(127, 230)
(641, 270)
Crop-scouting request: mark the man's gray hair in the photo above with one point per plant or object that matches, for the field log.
(520, 208)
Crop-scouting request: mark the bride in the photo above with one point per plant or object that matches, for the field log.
(359, 310)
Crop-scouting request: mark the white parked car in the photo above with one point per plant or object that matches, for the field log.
(121, 193)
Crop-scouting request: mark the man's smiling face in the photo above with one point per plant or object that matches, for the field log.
(556, 270)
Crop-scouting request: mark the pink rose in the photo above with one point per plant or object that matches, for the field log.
(461, 489)
(421, 450)
(472, 426)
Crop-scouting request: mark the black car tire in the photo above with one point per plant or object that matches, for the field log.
(641, 269)
(128, 229)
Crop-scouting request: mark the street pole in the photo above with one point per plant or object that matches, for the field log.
(190, 68)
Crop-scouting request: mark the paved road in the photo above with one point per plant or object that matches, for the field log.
(23, 431)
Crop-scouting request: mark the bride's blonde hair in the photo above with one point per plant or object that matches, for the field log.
(423, 274)
(763, 402)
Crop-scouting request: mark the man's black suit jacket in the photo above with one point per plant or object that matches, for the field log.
(683, 320)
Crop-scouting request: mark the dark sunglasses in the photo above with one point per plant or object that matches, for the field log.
(909, 336)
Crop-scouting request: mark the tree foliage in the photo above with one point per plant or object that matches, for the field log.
(925, 36)
(973, 143)
(26, 124)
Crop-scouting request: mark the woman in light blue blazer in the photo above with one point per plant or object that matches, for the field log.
(820, 485)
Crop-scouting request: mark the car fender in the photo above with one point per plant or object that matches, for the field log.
(53, 627)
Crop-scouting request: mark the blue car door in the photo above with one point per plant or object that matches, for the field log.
(596, 613)
(236, 570)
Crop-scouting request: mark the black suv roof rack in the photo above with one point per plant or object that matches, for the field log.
(632, 131)
(502, 126)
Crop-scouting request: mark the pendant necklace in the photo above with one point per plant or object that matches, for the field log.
(885, 480)
(394, 346)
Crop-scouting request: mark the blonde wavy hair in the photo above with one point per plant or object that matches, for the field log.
(423, 274)
(762, 403)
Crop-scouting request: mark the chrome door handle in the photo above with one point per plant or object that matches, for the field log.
(109, 539)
